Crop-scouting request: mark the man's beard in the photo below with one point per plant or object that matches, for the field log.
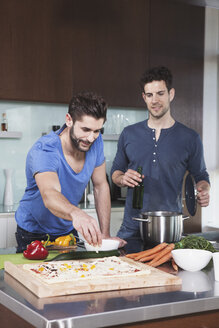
(76, 141)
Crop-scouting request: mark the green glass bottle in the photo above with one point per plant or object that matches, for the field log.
(138, 193)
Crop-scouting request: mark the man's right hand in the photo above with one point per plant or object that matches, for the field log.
(130, 178)
(88, 228)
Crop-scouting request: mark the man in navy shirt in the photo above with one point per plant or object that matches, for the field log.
(58, 169)
(165, 149)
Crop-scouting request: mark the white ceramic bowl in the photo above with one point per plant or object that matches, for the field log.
(107, 245)
(191, 259)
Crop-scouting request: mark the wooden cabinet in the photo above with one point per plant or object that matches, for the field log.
(177, 41)
(51, 49)
(110, 49)
(35, 55)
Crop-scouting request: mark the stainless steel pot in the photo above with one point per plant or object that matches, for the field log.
(161, 226)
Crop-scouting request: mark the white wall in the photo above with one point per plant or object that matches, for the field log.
(33, 119)
(210, 215)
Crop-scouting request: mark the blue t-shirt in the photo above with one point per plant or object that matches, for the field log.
(164, 164)
(47, 155)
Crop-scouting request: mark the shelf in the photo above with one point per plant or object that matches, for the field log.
(10, 135)
(112, 137)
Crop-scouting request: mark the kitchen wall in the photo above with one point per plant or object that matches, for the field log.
(210, 215)
(33, 119)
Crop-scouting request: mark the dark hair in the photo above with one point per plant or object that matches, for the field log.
(159, 73)
(87, 103)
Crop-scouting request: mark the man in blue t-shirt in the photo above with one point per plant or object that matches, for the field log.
(164, 148)
(58, 169)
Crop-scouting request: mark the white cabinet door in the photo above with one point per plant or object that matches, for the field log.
(116, 220)
(8, 227)
(3, 232)
(11, 229)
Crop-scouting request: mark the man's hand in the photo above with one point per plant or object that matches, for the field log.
(203, 197)
(88, 227)
(130, 178)
(122, 242)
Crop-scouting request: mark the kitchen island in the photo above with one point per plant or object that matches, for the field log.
(173, 306)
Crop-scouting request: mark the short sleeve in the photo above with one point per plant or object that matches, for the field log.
(99, 151)
(43, 159)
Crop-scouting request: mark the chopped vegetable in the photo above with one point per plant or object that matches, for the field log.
(196, 242)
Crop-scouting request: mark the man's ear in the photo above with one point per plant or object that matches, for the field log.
(68, 120)
(144, 96)
(172, 94)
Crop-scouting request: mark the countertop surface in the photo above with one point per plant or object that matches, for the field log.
(199, 292)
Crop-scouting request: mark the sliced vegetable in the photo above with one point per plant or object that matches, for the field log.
(79, 255)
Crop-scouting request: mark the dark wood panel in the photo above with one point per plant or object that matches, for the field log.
(35, 55)
(177, 41)
(11, 320)
(110, 48)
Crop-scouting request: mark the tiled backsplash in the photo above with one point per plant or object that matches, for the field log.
(33, 119)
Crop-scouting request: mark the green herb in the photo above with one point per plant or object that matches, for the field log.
(196, 242)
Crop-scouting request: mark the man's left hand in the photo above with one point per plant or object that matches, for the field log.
(203, 197)
(122, 242)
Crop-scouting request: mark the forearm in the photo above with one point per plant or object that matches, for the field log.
(59, 205)
(103, 207)
(117, 178)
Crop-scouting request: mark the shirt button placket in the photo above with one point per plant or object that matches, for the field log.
(155, 146)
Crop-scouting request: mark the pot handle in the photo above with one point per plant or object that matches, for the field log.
(185, 217)
(140, 219)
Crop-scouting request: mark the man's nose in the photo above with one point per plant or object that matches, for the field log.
(91, 137)
(154, 98)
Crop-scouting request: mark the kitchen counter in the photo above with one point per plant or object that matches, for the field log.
(199, 293)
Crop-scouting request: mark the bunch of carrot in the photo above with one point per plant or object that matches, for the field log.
(156, 255)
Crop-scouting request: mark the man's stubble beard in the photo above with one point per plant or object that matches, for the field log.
(76, 142)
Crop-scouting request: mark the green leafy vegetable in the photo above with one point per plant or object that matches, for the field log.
(196, 242)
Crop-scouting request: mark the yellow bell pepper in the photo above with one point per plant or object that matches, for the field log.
(67, 240)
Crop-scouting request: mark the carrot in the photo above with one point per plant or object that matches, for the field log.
(161, 254)
(150, 251)
(147, 258)
(162, 260)
(174, 265)
(132, 255)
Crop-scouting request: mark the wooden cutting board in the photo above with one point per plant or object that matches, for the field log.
(41, 289)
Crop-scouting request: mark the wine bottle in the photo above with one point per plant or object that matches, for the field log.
(4, 123)
(138, 193)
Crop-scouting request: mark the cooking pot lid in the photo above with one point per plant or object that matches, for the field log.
(190, 194)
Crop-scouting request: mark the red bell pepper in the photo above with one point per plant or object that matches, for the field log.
(36, 251)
